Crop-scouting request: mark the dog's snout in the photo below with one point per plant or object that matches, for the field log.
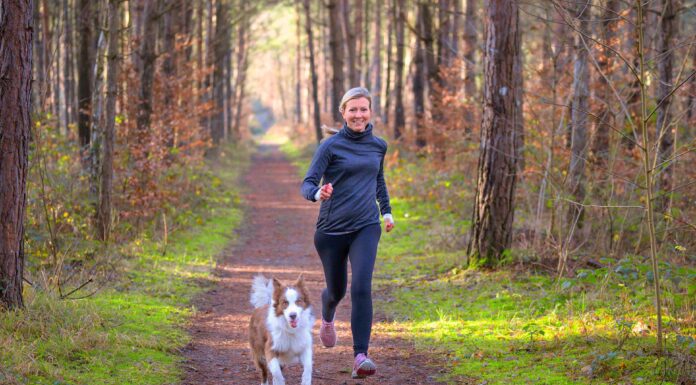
(292, 316)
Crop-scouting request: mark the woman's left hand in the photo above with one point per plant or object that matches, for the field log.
(388, 223)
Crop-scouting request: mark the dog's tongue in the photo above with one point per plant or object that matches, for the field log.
(293, 323)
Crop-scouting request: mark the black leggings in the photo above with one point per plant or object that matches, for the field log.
(334, 251)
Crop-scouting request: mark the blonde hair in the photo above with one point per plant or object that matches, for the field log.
(354, 93)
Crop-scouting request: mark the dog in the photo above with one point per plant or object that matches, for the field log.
(280, 330)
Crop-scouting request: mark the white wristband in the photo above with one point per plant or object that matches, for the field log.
(317, 195)
(388, 217)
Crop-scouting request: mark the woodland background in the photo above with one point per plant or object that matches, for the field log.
(545, 138)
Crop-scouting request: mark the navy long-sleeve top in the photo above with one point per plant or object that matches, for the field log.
(353, 162)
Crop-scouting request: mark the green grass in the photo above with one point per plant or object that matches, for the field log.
(520, 327)
(131, 331)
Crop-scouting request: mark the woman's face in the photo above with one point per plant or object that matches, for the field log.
(357, 114)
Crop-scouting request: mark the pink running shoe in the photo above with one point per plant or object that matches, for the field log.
(363, 366)
(327, 334)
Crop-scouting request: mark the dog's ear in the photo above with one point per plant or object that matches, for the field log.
(303, 289)
(300, 280)
(276, 284)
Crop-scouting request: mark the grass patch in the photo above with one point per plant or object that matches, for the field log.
(130, 332)
(520, 327)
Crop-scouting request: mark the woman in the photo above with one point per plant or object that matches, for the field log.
(348, 228)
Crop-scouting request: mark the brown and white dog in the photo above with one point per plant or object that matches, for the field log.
(280, 331)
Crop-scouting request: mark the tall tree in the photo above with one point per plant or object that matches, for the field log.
(242, 65)
(418, 81)
(221, 47)
(579, 115)
(470, 42)
(85, 62)
(68, 69)
(16, 33)
(390, 43)
(376, 69)
(350, 41)
(313, 69)
(107, 164)
(336, 47)
(148, 55)
(605, 118)
(399, 114)
(491, 231)
(665, 135)
(298, 66)
(444, 34)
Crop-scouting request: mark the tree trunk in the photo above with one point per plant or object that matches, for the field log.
(491, 231)
(16, 29)
(148, 57)
(336, 44)
(221, 47)
(242, 64)
(350, 43)
(418, 82)
(599, 151)
(665, 132)
(107, 168)
(298, 67)
(579, 117)
(70, 107)
(399, 114)
(456, 26)
(390, 43)
(84, 67)
(444, 34)
(313, 70)
(470, 41)
(376, 69)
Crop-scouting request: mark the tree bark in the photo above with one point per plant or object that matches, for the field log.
(221, 47)
(470, 41)
(16, 33)
(350, 43)
(491, 231)
(579, 116)
(599, 151)
(444, 44)
(376, 70)
(456, 26)
(242, 64)
(399, 114)
(390, 43)
(298, 67)
(418, 82)
(665, 132)
(147, 76)
(313, 70)
(68, 78)
(336, 45)
(84, 73)
(107, 169)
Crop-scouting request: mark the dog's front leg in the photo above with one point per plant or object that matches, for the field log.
(276, 373)
(307, 367)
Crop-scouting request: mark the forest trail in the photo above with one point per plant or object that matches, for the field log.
(277, 240)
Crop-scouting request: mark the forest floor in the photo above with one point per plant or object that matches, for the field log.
(276, 239)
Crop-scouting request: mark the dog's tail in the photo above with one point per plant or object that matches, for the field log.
(261, 291)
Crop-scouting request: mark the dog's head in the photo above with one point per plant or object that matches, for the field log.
(291, 301)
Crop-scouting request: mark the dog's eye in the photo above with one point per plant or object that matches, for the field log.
(285, 302)
(299, 302)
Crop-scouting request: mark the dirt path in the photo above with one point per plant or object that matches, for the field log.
(276, 240)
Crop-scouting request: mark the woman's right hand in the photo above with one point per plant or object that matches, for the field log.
(326, 191)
